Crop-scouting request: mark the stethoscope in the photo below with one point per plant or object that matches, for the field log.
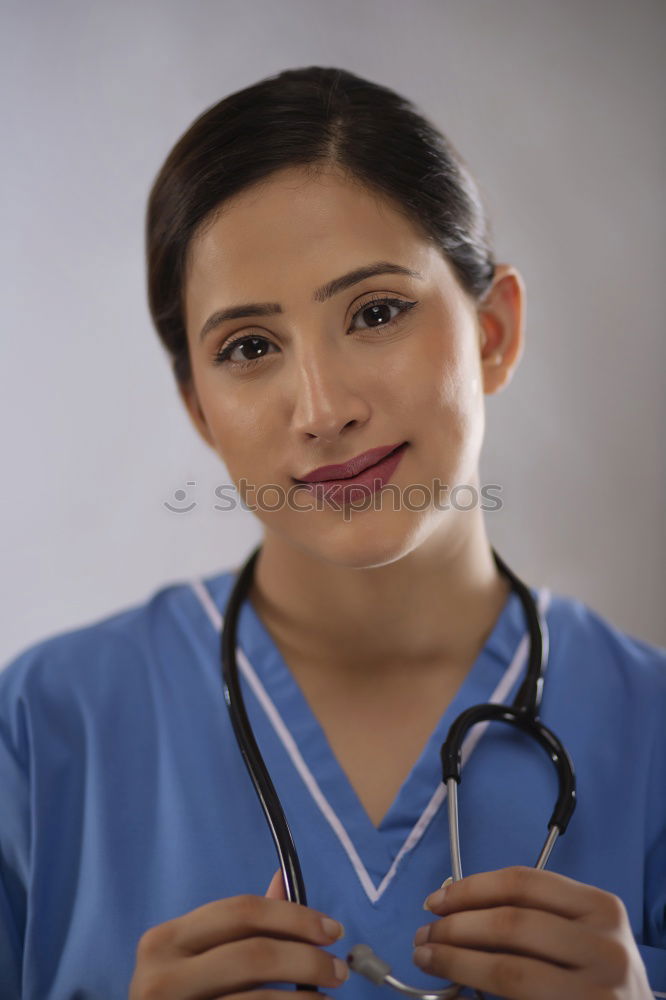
(522, 713)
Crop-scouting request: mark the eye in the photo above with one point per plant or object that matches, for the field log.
(258, 344)
(380, 307)
(377, 308)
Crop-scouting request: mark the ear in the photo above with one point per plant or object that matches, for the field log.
(188, 394)
(501, 315)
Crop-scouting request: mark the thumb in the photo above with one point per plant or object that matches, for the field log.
(276, 889)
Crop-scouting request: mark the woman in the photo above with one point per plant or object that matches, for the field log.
(320, 273)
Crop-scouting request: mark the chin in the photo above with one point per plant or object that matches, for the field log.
(366, 540)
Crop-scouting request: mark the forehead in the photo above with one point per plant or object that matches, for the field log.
(296, 228)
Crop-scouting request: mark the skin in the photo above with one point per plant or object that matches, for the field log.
(231, 945)
(332, 590)
(532, 935)
(322, 395)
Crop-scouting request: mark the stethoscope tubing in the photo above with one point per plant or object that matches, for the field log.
(261, 779)
(522, 714)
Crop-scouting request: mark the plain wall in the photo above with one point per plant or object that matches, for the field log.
(558, 110)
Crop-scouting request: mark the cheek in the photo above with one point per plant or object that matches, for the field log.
(451, 396)
(457, 392)
(444, 361)
(450, 384)
(241, 435)
(241, 413)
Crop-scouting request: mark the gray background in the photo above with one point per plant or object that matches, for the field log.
(557, 108)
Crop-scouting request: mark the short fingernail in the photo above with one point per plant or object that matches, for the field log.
(341, 970)
(437, 898)
(421, 936)
(332, 929)
(422, 956)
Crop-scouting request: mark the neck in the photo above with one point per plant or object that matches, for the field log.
(435, 605)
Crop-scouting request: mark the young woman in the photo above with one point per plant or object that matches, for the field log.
(320, 273)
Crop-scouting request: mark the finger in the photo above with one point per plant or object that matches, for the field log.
(240, 917)
(242, 965)
(508, 976)
(532, 887)
(522, 931)
(276, 889)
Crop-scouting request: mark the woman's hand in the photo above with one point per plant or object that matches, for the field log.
(527, 934)
(235, 944)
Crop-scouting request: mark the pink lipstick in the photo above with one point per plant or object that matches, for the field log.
(367, 479)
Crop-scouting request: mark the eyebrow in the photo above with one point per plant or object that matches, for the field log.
(326, 291)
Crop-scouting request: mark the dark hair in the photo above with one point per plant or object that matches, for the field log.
(308, 117)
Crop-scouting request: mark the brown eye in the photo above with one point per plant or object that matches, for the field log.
(259, 344)
(377, 312)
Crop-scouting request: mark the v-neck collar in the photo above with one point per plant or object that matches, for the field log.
(493, 677)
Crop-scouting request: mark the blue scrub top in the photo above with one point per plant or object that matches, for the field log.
(126, 803)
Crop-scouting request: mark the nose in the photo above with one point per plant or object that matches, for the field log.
(326, 396)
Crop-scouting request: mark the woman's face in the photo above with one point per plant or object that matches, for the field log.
(334, 376)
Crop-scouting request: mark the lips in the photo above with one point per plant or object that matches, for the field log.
(352, 468)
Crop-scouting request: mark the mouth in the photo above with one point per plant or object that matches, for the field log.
(352, 469)
(368, 468)
(369, 481)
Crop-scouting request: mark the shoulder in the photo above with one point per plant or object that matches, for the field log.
(577, 630)
(606, 685)
(91, 665)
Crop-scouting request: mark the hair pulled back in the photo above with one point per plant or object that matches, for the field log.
(316, 117)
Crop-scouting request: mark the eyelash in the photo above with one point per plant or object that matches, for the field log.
(222, 356)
